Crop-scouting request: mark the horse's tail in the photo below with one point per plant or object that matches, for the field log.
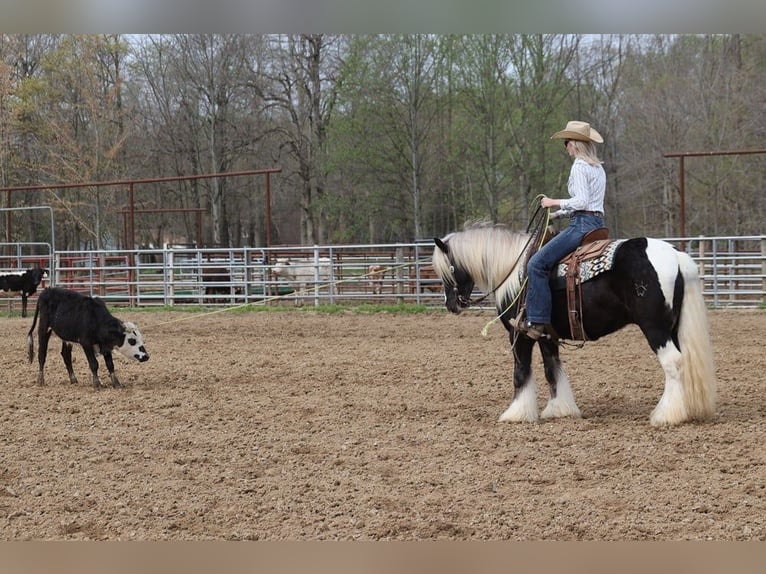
(693, 335)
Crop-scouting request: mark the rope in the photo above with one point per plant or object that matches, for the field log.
(538, 229)
(485, 328)
(305, 291)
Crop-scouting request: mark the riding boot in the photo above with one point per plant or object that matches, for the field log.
(535, 331)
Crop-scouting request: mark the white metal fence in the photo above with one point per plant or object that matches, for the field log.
(733, 269)
(181, 275)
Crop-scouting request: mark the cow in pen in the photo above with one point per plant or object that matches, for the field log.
(24, 283)
(77, 318)
(302, 274)
(376, 276)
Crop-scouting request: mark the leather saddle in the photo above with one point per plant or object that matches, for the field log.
(592, 246)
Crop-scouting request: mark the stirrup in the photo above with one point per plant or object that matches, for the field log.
(536, 331)
(518, 321)
(535, 334)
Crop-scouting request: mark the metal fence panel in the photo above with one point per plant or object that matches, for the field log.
(733, 271)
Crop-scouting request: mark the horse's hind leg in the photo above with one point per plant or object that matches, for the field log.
(671, 410)
(562, 402)
(523, 407)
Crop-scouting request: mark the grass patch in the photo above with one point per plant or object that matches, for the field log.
(372, 308)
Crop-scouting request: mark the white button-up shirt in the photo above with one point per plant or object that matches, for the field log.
(586, 186)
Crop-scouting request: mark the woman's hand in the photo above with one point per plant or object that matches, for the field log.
(548, 202)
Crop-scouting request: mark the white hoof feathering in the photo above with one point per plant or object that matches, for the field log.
(671, 409)
(523, 408)
(564, 404)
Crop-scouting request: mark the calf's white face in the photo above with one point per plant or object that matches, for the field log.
(133, 346)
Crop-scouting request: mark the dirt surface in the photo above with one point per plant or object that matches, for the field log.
(300, 425)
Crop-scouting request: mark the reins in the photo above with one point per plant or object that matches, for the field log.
(539, 231)
(536, 230)
(469, 302)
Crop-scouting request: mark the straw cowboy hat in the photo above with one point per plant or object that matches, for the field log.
(579, 131)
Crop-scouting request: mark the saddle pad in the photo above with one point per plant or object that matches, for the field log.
(589, 268)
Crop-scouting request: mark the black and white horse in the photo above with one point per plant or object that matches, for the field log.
(650, 284)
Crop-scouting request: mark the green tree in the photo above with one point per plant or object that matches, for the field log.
(301, 89)
(485, 99)
(392, 110)
(69, 114)
(201, 113)
(691, 94)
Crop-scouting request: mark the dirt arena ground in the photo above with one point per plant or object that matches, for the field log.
(301, 425)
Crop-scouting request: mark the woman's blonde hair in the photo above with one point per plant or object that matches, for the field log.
(586, 151)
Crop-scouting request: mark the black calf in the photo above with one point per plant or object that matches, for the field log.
(76, 318)
(26, 284)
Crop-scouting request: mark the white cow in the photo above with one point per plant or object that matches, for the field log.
(302, 273)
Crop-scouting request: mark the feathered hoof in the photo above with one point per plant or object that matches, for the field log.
(557, 409)
(518, 415)
(663, 418)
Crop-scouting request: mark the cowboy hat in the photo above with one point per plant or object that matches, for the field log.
(579, 131)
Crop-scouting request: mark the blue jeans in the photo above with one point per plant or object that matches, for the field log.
(541, 263)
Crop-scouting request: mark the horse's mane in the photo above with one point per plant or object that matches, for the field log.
(486, 251)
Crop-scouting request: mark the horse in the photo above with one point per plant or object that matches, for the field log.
(650, 284)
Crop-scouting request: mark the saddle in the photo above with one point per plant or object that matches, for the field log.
(592, 246)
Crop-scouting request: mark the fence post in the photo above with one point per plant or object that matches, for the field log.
(731, 270)
(763, 270)
(170, 283)
(701, 256)
(316, 275)
(399, 274)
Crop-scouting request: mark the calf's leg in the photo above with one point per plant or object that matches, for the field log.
(93, 364)
(66, 353)
(43, 335)
(110, 367)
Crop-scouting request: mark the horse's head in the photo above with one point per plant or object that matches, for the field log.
(458, 283)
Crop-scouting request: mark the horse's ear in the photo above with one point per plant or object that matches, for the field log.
(441, 245)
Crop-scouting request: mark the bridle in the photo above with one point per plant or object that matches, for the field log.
(468, 302)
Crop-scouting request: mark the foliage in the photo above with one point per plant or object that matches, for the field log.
(380, 138)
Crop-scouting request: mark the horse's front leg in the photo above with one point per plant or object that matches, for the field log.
(523, 407)
(562, 402)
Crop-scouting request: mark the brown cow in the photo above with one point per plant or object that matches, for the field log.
(376, 275)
